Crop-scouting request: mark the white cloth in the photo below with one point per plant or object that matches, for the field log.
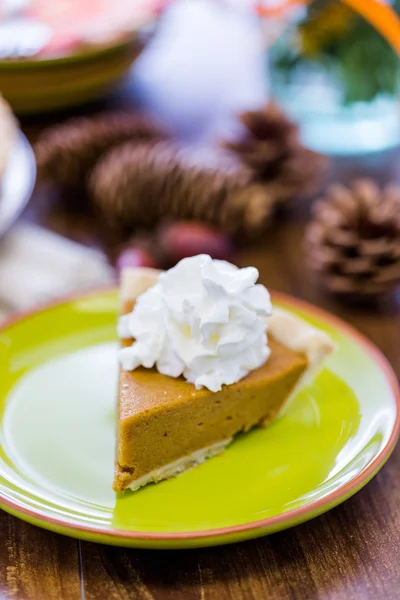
(37, 265)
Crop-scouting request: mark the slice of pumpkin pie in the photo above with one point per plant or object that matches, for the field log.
(197, 367)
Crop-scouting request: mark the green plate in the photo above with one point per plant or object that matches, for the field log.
(57, 432)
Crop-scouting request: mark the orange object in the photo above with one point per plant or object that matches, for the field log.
(382, 16)
(274, 11)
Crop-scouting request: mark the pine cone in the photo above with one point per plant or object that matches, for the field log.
(353, 241)
(139, 185)
(66, 153)
(271, 148)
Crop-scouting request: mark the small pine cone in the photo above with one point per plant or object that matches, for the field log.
(139, 185)
(271, 148)
(249, 210)
(353, 242)
(66, 153)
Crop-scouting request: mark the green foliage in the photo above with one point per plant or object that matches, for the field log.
(358, 56)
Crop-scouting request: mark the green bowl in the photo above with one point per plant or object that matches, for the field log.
(32, 86)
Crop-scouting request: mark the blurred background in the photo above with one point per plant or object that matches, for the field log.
(142, 131)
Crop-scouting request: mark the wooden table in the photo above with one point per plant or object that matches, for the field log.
(353, 552)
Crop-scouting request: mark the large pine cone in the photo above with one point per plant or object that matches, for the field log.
(139, 185)
(271, 148)
(66, 153)
(353, 241)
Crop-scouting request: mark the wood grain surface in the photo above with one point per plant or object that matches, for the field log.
(352, 552)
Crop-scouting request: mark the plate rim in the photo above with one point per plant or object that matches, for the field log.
(218, 535)
(21, 142)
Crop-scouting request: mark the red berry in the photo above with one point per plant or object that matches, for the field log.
(189, 238)
(135, 257)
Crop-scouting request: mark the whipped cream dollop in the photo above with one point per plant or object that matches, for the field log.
(203, 319)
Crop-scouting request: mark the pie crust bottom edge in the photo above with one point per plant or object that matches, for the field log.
(178, 466)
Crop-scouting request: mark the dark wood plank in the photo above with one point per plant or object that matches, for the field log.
(36, 564)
